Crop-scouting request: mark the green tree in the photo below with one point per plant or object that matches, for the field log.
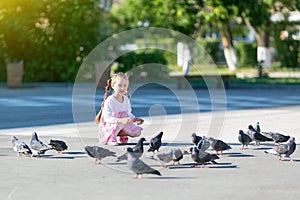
(17, 29)
(51, 36)
(223, 14)
(257, 16)
(185, 16)
(179, 15)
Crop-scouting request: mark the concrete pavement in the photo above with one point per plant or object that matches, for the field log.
(240, 174)
(52, 104)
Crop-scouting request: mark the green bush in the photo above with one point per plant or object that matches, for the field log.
(51, 37)
(246, 52)
(150, 64)
(288, 53)
(210, 47)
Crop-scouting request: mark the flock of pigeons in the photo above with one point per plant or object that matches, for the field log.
(284, 146)
(37, 147)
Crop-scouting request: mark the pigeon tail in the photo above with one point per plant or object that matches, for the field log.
(156, 172)
(151, 149)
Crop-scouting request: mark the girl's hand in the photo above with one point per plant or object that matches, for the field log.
(125, 120)
(138, 121)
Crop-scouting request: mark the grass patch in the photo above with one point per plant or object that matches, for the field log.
(270, 81)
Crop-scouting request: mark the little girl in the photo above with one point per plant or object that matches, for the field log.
(115, 117)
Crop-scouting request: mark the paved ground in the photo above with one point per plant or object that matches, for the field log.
(53, 105)
(240, 174)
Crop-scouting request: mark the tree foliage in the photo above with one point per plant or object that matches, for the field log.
(52, 37)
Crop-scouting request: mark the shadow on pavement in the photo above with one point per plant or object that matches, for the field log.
(169, 177)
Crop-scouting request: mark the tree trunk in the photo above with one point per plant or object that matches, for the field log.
(231, 58)
(14, 74)
(263, 42)
(229, 51)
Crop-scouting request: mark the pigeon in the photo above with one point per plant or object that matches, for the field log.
(155, 143)
(165, 157)
(202, 157)
(277, 137)
(218, 145)
(203, 144)
(58, 145)
(244, 139)
(138, 166)
(256, 136)
(98, 153)
(20, 147)
(258, 127)
(38, 147)
(138, 149)
(284, 149)
(196, 139)
(178, 155)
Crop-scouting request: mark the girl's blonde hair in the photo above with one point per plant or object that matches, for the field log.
(110, 83)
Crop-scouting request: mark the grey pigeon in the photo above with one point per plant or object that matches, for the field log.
(98, 153)
(138, 149)
(256, 136)
(174, 154)
(58, 145)
(196, 139)
(178, 155)
(38, 147)
(138, 166)
(155, 143)
(203, 144)
(218, 145)
(164, 157)
(284, 150)
(276, 137)
(258, 127)
(20, 147)
(202, 157)
(244, 139)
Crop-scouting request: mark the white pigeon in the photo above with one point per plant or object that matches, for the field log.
(37, 146)
(20, 147)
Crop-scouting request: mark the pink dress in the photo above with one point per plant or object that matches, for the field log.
(108, 126)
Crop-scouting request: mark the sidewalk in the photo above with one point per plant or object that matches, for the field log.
(239, 175)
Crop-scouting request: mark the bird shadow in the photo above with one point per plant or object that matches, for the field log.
(117, 163)
(287, 160)
(261, 148)
(239, 155)
(181, 166)
(210, 165)
(62, 157)
(170, 177)
(74, 152)
(223, 166)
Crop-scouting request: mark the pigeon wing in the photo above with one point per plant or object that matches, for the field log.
(281, 149)
(177, 155)
(203, 144)
(122, 157)
(58, 145)
(165, 157)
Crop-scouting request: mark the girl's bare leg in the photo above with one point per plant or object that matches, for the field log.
(124, 133)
